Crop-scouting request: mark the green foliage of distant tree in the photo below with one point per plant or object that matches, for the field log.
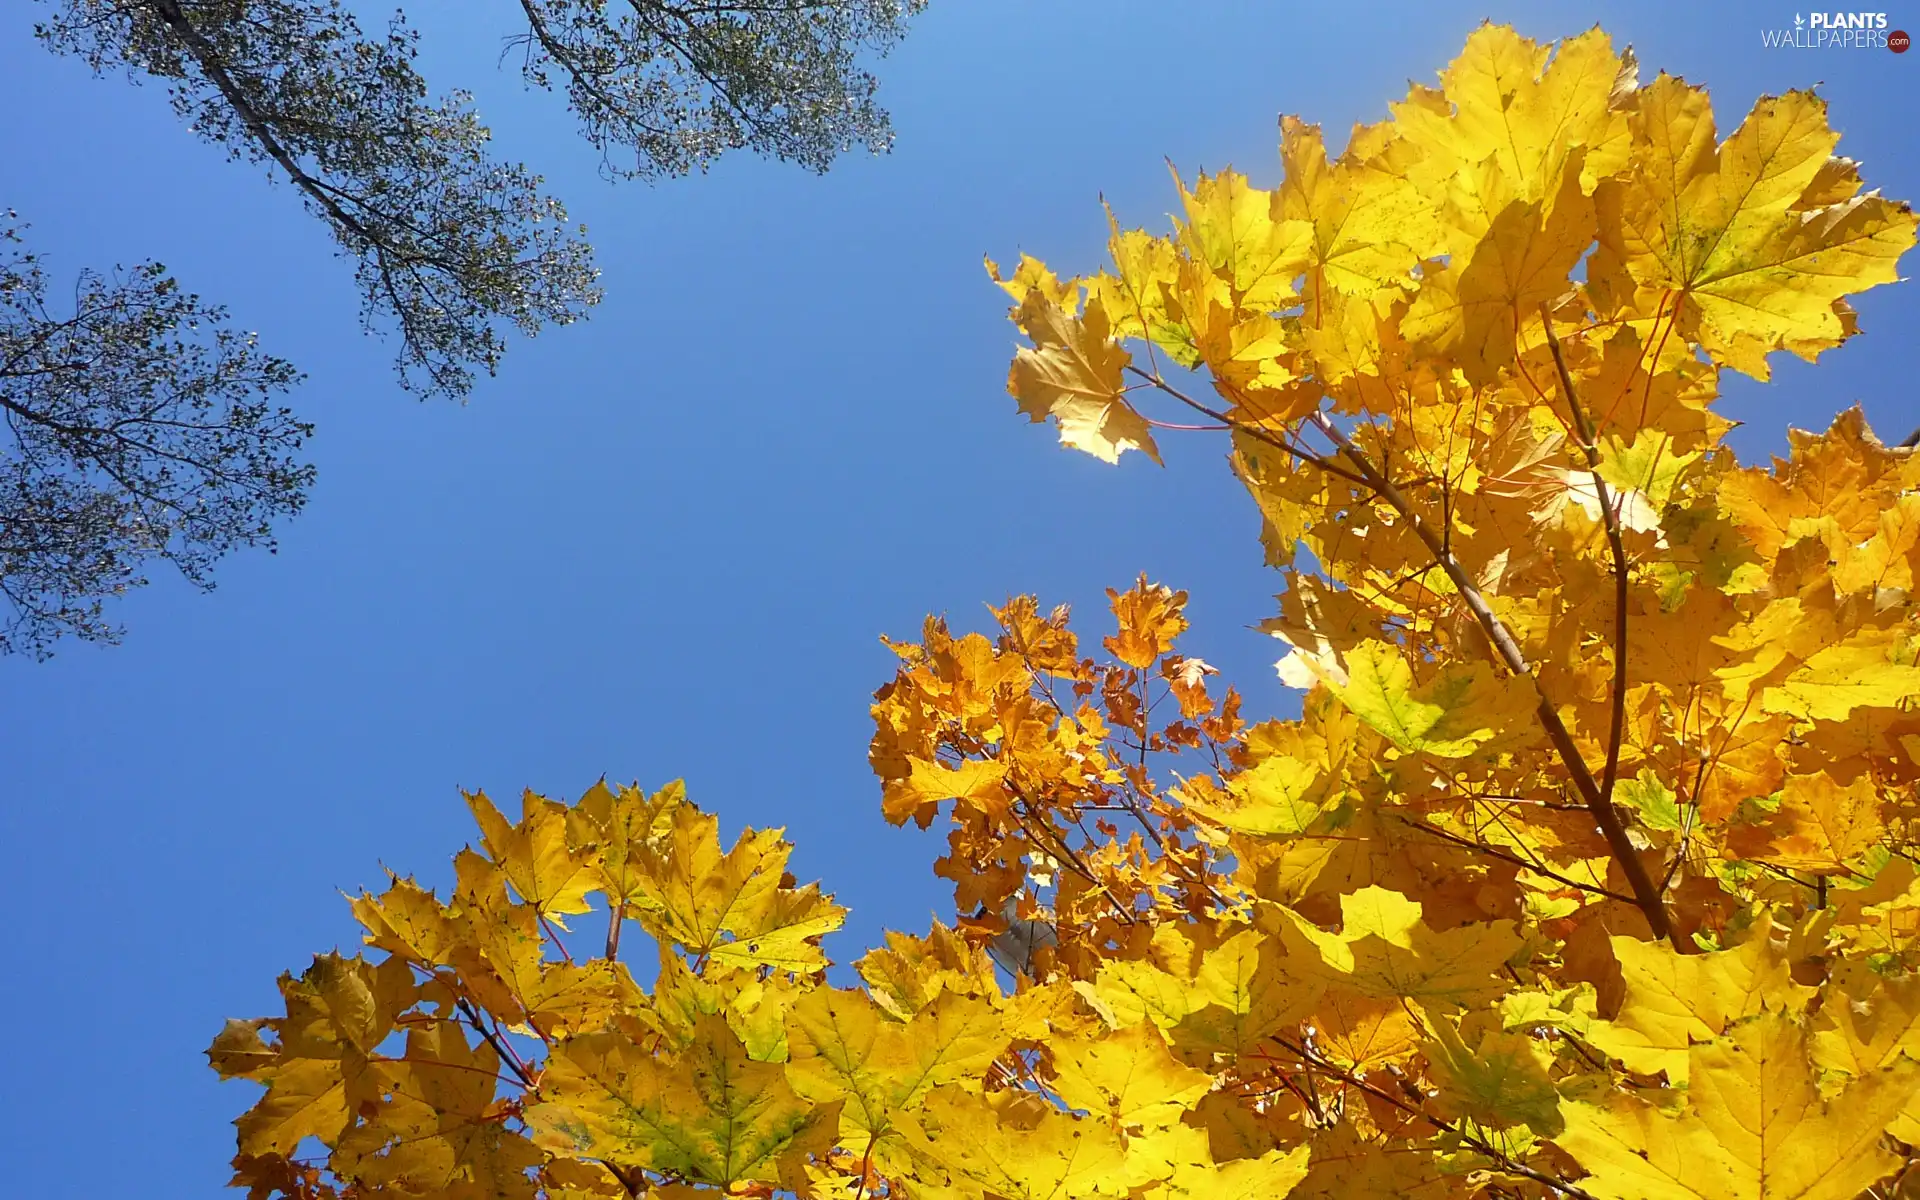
(451, 245)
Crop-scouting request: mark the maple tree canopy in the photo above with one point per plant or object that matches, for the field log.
(1587, 870)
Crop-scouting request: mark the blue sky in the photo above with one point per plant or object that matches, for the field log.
(664, 542)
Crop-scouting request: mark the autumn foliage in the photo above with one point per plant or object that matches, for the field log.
(1588, 869)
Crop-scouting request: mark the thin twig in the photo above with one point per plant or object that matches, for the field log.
(866, 1165)
(1516, 860)
(1067, 854)
(1478, 1144)
(555, 935)
(1255, 432)
(1686, 822)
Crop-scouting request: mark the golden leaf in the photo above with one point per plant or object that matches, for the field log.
(711, 1114)
(1753, 1126)
(1072, 373)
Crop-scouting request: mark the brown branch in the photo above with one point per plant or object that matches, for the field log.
(1184, 428)
(1516, 860)
(615, 919)
(1479, 1145)
(644, 9)
(1646, 894)
(500, 1048)
(388, 1058)
(1686, 823)
(1146, 735)
(636, 1186)
(208, 57)
(866, 1166)
(563, 55)
(1068, 857)
(1610, 515)
(1783, 873)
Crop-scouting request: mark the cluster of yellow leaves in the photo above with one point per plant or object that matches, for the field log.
(1597, 704)
(1587, 870)
(477, 1056)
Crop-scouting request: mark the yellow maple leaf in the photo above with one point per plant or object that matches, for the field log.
(1349, 1165)
(1129, 991)
(1860, 672)
(305, 1098)
(502, 960)
(754, 1008)
(1753, 1126)
(337, 1012)
(1451, 715)
(1178, 1161)
(1032, 275)
(1674, 1000)
(1522, 249)
(408, 921)
(1503, 148)
(1243, 990)
(1838, 485)
(239, 1052)
(844, 1048)
(341, 1005)
(710, 1114)
(1385, 949)
(977, 783)
(1819, 827)
(1127, 1076)
(1885, 561)
(1367, 222)
(1232, 229)
(1364, 1033)
(1138, 297)
(535, 855)
(1500, 1078)
(1151, 617)
(730, 907)
(615, 821)
(1278, 797)
(909, 973)
(1869, 1024)
(436, 1128)
(1723, 226)
(1022, 1151)
(1529, 108)
(1073, 373)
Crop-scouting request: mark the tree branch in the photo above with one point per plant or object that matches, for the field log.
(1610, 515)
(1516, 860)
(208, 59)
(500, 1048)
(1314, 1062)
(1646, 893)
(1255, 432)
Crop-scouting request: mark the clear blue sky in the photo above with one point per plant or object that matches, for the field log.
(663, 543)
